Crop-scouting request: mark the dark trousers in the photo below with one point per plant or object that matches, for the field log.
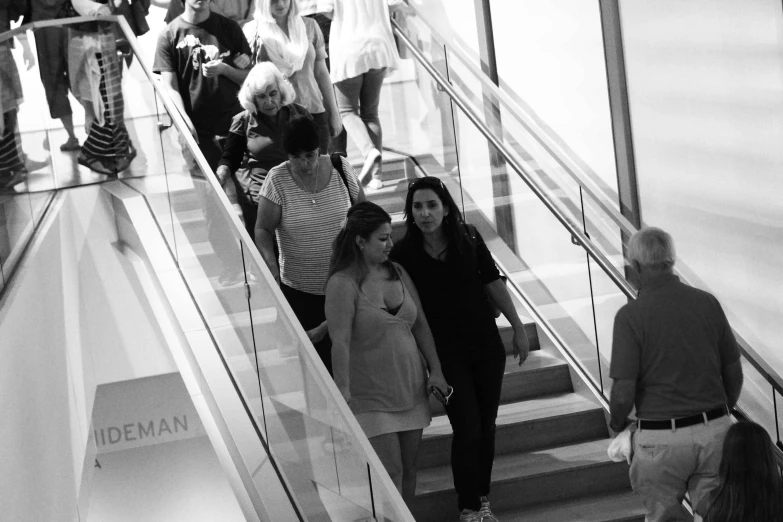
(309, 309)
(477, 378)
(52, 46)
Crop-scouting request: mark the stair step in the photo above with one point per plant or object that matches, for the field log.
(529, 425)
(623, 506)
(543, 373)
(395, 166)
(518, 480)
(507, 333)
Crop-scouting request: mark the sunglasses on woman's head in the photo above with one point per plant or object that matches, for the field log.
(427, 181)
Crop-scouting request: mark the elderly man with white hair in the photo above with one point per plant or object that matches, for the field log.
(675, 358)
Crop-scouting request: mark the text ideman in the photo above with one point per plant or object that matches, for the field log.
(139, 430)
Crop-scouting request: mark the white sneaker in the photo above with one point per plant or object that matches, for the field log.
(485, 512)
(468, 515)
(375, 184)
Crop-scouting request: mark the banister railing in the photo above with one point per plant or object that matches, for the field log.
(586, 183)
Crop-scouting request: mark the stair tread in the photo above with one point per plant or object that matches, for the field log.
(523, 465)
(536, 360)
(524, 411)
(620, 506)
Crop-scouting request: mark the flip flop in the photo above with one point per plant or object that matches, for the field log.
(71, 145)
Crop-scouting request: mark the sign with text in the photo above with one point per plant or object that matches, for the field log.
(142, 412)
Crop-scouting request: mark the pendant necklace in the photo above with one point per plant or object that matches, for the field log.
(315, 184)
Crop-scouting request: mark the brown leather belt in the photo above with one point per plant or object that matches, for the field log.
(673, 424)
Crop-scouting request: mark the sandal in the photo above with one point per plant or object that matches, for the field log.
(372, 164)
(124, 162)
(9, 180)
(71, 145)
(96, 165)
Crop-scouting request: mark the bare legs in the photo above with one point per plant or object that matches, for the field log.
(397, 452)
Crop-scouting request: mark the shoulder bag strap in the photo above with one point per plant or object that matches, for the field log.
(337, 163)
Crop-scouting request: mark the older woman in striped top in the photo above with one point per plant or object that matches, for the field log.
(303, 201)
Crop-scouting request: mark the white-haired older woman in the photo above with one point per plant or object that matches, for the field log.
(253, 145)
(295, 44)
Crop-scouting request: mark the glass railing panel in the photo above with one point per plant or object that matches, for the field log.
(168, 168)
(16, 226)
(534, 145)
(756, 399)
(553, 75)
(603, 230)
(416, 117)
(569, 183)
(384, 509)
(309, 439)
(530, 244)
(130, 443)
(607, 299)
(518, 140)
(307, 435)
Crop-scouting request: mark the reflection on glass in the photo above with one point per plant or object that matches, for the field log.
(149, 456)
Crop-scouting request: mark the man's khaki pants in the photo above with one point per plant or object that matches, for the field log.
(666, 464)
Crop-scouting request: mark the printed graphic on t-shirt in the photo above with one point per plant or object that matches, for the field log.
(200, 53)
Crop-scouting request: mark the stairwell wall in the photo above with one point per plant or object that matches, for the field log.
(705, 83)
(59, 339)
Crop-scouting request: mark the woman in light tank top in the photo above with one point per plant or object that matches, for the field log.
(382, 347)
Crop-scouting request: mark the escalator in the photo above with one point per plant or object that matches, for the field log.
(153, 365)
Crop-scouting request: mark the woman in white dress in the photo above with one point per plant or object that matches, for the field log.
(363, 52)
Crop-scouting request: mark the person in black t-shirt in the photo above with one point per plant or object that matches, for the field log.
(203, 58)
(454, 273)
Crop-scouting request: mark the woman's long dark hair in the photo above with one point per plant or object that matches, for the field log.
(751, 488)
(461, 247)
(362, 220)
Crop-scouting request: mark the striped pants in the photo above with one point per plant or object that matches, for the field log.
(10, 97)
(96, 76)
(10, 157)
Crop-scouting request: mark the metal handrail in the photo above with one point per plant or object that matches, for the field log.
(320, 371)
(553, 144)
(575, 231)
(774, 379)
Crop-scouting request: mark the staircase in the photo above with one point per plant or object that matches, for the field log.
(551, 463)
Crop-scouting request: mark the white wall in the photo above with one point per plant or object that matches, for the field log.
(71, 320)
(455, 20)
(37, 458)
(705, 80)
(550, 53)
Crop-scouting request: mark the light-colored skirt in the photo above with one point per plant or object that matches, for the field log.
(375, 423)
